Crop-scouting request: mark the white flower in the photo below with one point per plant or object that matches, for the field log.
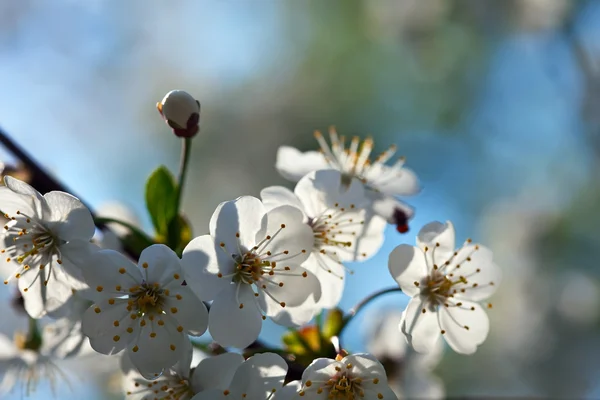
(357, 376)
(336, 216)
(228, 376)
(383, 182)
(40, 355)
(409, 372)
(181, 111)
(250, 266)
(144, 309)
(445, 286)
(45, 241)
(175, 383)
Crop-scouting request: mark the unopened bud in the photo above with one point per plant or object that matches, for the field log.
(181, 112)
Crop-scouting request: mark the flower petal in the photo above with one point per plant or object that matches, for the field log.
(466, 326)
(481, 274)
(408, 267)
(291, 239)
(293, 164)
(110, 270)
(420, 328)
(331, 275)
(439, 239)
(385, 206)
(157, 347)
(28, 201)
(366, 366)
(187, 309)
(216, 372)
(289, 391)
(44, 290)
(242, 216)
(201, 264)
(159, 264)
(258, 376)
(291, 287)
(106, 325)
(69, 218)
(393, 181)
(275, 196)
(382, 391)
(230, 323)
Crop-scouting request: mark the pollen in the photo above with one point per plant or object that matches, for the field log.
(135, 349)
(121, 271)
(116, 338)
(116, 323)
(145, 265)
(97, 310)
(99, 288)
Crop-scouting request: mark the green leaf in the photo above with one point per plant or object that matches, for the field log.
(161, 199)
(333, 323)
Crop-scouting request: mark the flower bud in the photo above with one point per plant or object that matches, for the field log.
(181, 111)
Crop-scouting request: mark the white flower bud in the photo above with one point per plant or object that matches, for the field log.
(181, 112)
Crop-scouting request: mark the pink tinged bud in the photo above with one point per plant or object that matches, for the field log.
(181, 112)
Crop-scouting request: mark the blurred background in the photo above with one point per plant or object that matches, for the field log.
(495, 104)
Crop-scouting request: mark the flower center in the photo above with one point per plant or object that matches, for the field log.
(250, 268)
(148, 299)
(438, 288)
(29, 243)
(346, 387)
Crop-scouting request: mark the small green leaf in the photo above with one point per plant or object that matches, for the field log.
(333, 323)
(161, 199)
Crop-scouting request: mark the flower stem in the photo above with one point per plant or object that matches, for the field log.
(186, 146)
(361, 304)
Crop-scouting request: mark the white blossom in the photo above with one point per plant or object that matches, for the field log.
(409, 373)
(181, 112)
(357, 376)
(383, 182)
(249, 266)
(45, 241)
(145, 308)
(341, 230)
(445, 285)
(228, 376)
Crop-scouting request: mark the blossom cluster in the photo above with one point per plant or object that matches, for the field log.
(280, 256)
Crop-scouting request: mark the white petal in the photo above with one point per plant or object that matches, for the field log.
(289, 391)
(8, 349)
(393, 181)
(216, 372)
(455, 320)
(275, 196)
(210, 394)
(159, 352)
(321, 190)
(420, 384)
(41, 298)
(105, 322)
(63, 338)
(258, 376)
(190, 312)
(331, 275)
(70, 219)
(319, 370)
(408, 267)
(243, 216)
(480, 272)
(291, 239)
(421, 328)
(291, 287)
(230, 325)
(385, 206)
(366, 366)
(201, 264)
(159, 264)
(382, 391)
(76, 254)
(293, 164)
(30, 200)
(439, 239)
(370, 240)
(109, 269)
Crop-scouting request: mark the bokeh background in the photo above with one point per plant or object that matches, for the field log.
(495, 104)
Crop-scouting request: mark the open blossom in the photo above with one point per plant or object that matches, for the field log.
(409, 373)
(142, 308)
(228, 376)
(40, 355)
(341, 232)
(357, 376)
(249, 266)
(445, 285)
(45, 241)
(383, 182)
